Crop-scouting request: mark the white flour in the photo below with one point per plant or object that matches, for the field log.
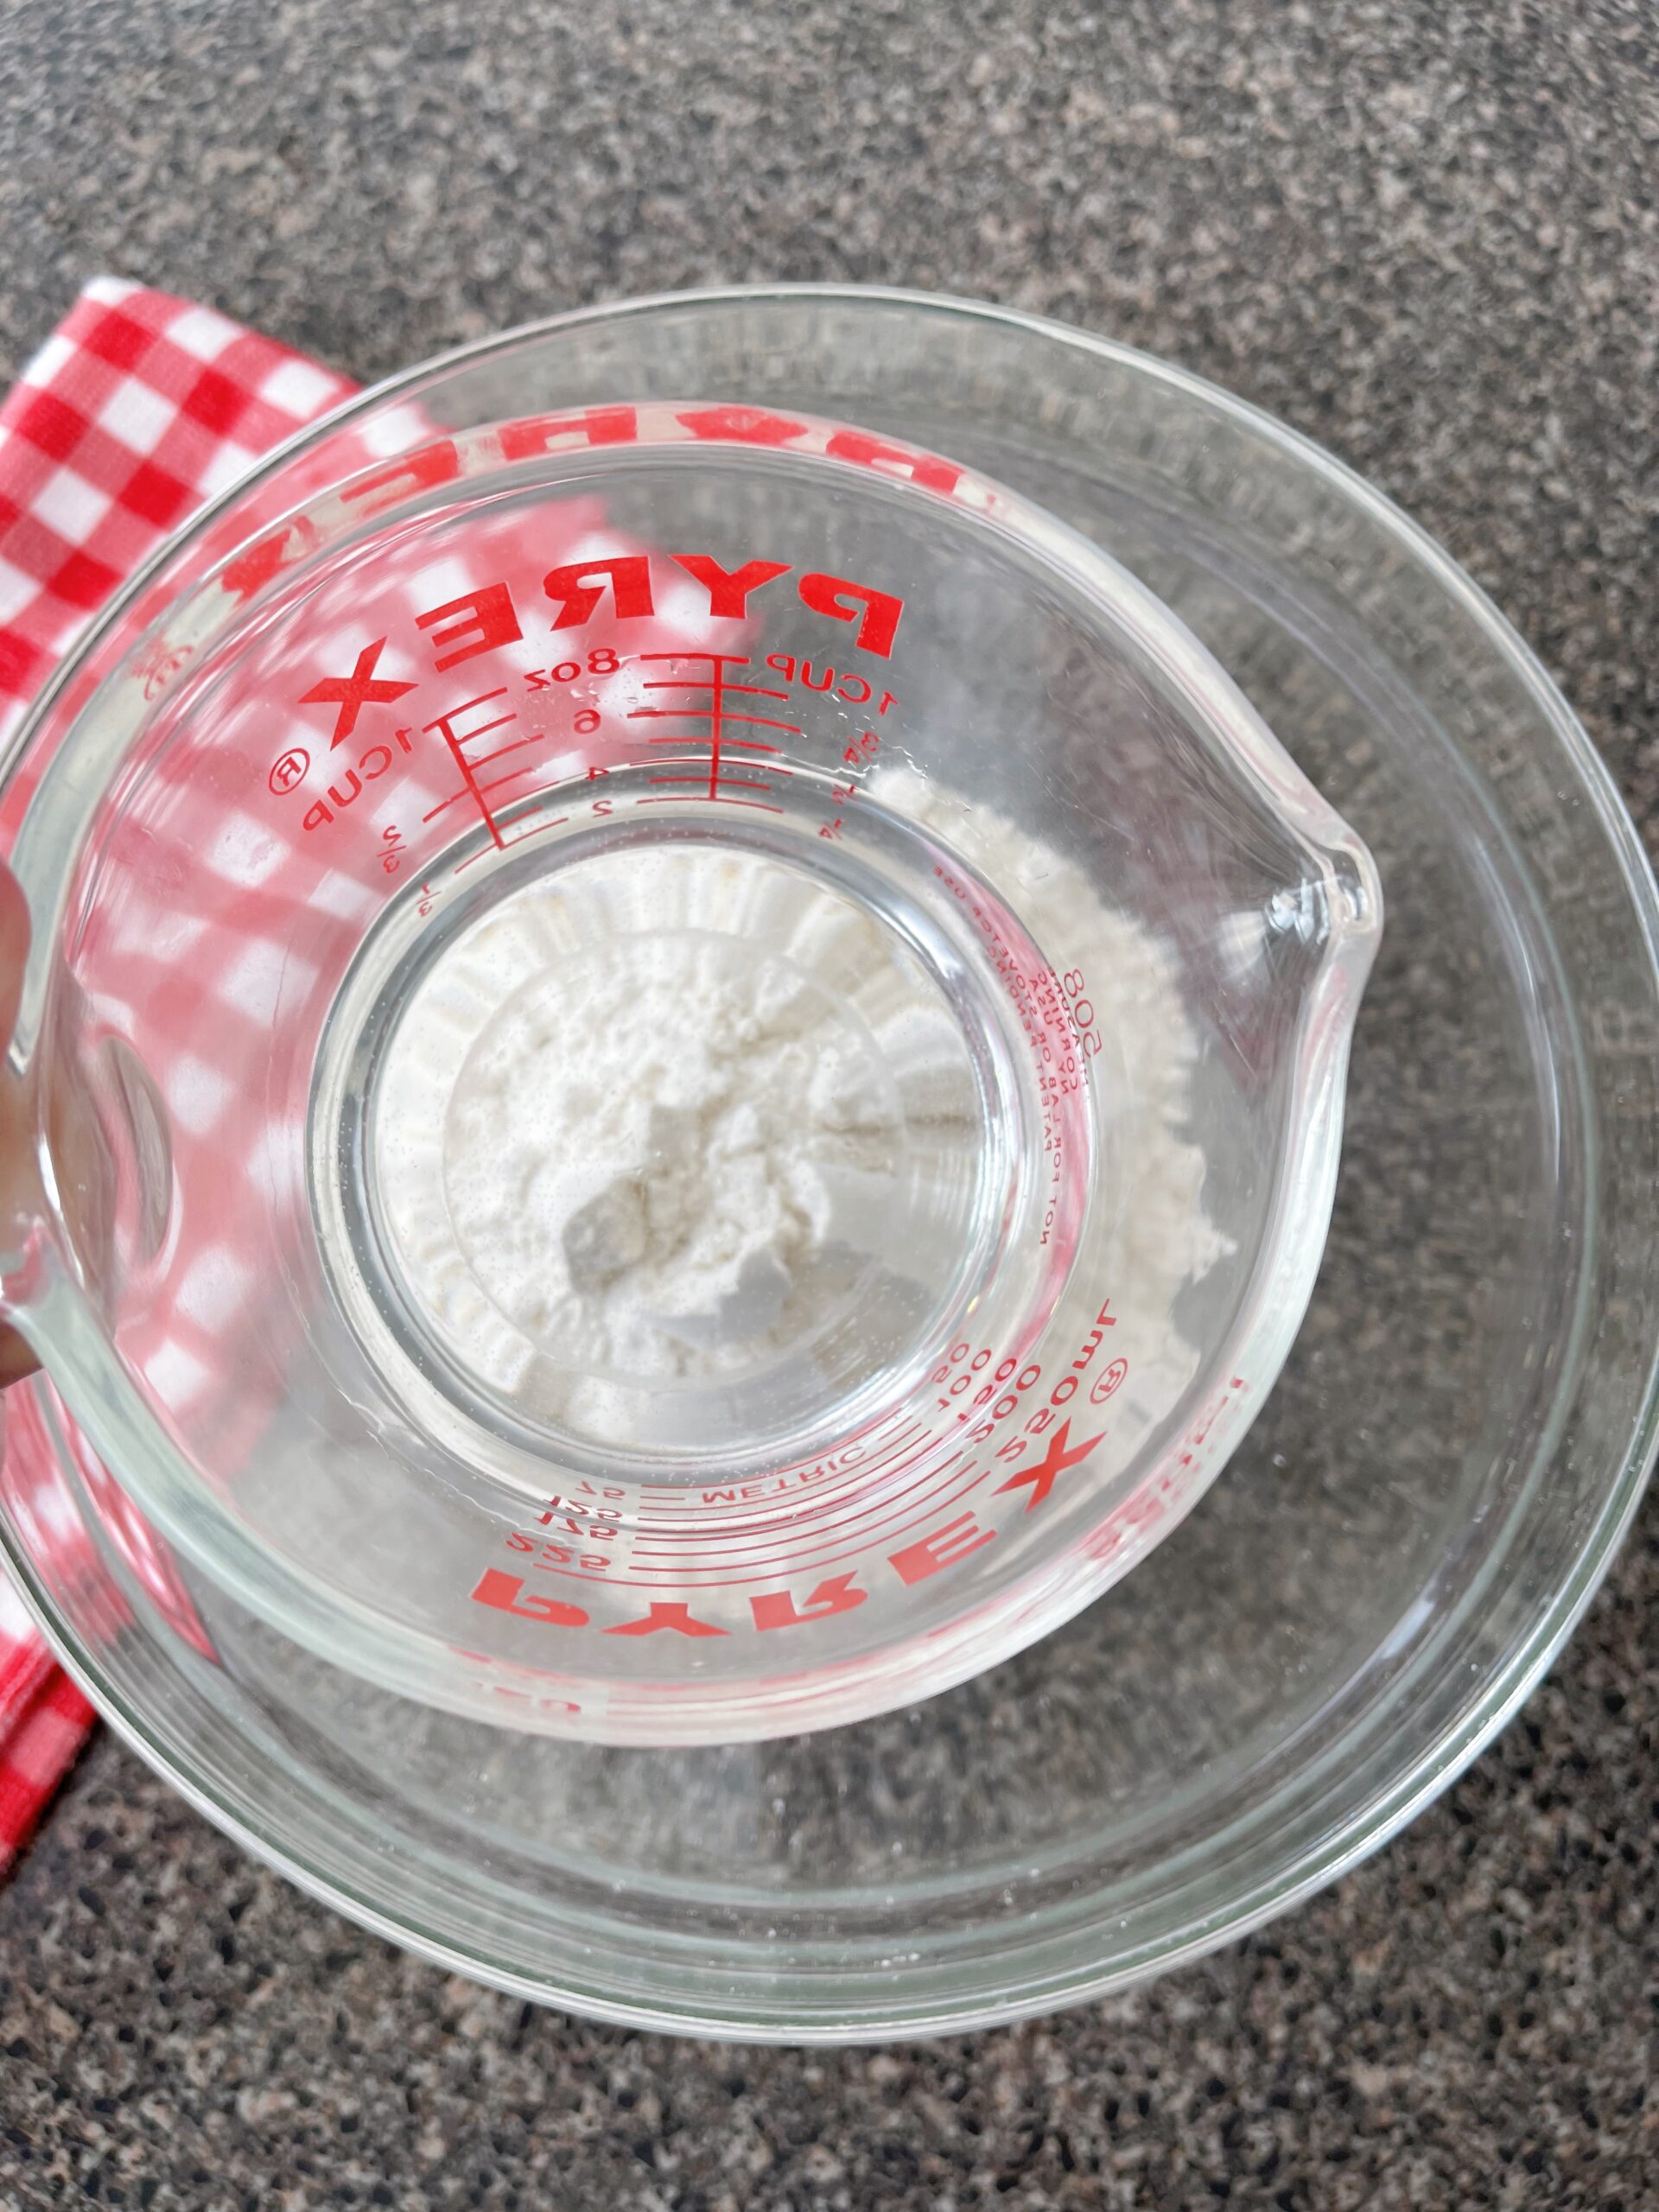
(660, 1184)
(1161, 1237)
(618, 1150)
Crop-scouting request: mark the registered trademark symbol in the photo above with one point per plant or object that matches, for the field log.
(1106, 1384)
(289, 770)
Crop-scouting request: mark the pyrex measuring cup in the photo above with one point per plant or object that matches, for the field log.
(716, 1050)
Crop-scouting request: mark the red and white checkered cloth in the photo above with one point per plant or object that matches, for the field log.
(137, 408)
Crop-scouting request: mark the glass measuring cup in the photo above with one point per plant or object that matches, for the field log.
(875, 851)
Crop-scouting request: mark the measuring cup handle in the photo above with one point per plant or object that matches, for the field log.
(66, 1107)
(22, 1204)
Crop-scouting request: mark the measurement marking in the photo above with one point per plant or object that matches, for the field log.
(505, 844)
(892, 1450)
(466, 737)
(518, 745)
(719, 713)
(483, 790)
(789, 1564)
(878, 1435)
(457, 745)
(818, 1547)
(732, 783)
(511, 777)
(732, 744)
(681, 1522)
(730, 1547)
(679, 714)
(829, 1552)
(720, 799)
(826, 1497)
(680, 1514)
(718, 660)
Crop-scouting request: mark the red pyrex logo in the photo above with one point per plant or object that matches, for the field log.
(919, 1561)
(486, 618)
(480, 620)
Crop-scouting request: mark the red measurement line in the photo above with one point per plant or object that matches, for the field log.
(470, 780)
(719, 798)
(518, 745)
(848, 1493)
(716, 660)
(816, 1546)
(810, 1518)
(701, 713)
(798, 1505)
(732, 1546)
(480, 790)
(731, 783)
(683, 759)
(788, 1564)
(506, 844)
(880, 1434)
(703, 684)
(828, 1551)
(683, 1519)
(732, 744)
(511, 777)
(483, 729)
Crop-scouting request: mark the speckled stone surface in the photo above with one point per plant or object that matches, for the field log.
(1428, 235)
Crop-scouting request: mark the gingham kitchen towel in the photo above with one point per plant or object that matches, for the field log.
(137, 409)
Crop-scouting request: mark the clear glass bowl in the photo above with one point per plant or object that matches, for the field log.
(721, 1052)
(1415, 1520)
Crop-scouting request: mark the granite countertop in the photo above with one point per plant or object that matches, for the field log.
(1429, 236)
